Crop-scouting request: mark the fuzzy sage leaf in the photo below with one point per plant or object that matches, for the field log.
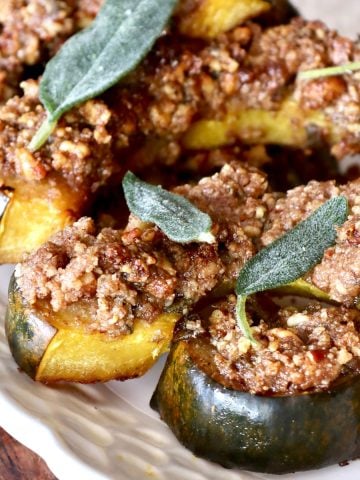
(178, 218)
(93, 60)
(290, 256)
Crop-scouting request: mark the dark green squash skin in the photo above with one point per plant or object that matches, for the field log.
(251, 432)
(27, 334)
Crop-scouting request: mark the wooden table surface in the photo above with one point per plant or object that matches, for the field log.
(19, 463)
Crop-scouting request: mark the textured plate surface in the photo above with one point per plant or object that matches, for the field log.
(102, 432)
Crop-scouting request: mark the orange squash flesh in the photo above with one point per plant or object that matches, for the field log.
(34, 213)
(50, 350)
(75, 357)
(209, 18)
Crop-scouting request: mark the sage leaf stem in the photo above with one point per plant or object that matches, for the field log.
(44, 132)
(176, 216)
(93, 60)
(242, 320)
(329, 71)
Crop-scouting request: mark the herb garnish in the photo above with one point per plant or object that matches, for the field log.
(329, 71)
(176, 216)
(93, 60)
(290, 256)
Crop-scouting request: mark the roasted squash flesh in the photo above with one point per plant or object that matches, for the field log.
(49, 349)
(289, 126)
(33, 214)
(75, 357)
(209, 18)
(267, 434)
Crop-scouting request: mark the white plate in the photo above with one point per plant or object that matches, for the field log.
(102, 432)
(98, 432)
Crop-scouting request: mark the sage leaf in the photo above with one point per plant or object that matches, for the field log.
(176, 216)
(290, 256)
(93, 60)
(296, 252)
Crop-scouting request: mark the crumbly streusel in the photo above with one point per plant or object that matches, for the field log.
(300, 349)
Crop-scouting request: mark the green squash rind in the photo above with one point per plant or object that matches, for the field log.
(49, 348)
(265, 434)
(27, 334)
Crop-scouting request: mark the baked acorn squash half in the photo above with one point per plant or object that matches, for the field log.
(49, 348)
(289, 402)
(272, 433)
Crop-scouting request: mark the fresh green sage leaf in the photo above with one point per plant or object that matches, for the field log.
(93, 60)
(295, 253)
(290, 256)
(176, 216)
(329, 71)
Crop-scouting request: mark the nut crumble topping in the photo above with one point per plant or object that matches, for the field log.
(32, 31)
(138, 272)
(295, 356)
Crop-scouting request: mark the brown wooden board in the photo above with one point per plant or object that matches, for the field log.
(19, 463)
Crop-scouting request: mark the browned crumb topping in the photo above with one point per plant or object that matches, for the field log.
(80, 149)
(338, 274)
(78, 264)
(32, 31)
(301, 350)
(234, 198)
(181, 81)
(239, 203)
(121, 275)
(139, 272)
(305, 45)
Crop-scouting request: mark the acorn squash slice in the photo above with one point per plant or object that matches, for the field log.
(49, 348)
(31, 213)
(277, 434)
